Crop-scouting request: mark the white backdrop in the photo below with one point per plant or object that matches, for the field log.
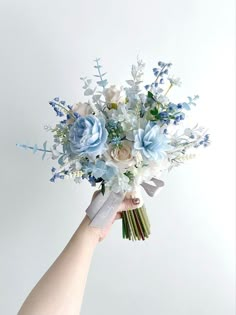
(187, 265)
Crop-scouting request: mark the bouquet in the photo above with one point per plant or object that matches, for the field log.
(122, 138)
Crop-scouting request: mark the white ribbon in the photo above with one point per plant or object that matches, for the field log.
(103, 207)
(152, 189)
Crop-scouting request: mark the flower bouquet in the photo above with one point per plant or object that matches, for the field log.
(122, 138)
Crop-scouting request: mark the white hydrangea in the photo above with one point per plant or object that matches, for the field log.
(119, 183)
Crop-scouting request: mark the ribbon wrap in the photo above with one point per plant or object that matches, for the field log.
(103, 207)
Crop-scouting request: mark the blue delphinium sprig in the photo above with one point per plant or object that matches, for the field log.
(62, 109)
(57, 106)
(161, 73)
(56, 175)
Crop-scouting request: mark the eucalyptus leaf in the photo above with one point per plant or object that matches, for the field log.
(45, 145)
(102, 83)
(130, 82)
(44, 154)
(88, 92)
(96, 97)
(61, 160)
(35, 149)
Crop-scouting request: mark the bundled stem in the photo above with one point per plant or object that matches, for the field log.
(135, 224)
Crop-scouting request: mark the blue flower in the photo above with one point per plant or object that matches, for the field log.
(54, 103)
(172, 107)
(152, 143)
(205, 141)
(100, 169)
(88, 135)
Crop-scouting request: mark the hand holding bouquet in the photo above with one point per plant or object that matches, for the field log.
(123, 138)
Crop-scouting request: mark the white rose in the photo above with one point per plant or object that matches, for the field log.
(122, 156)
(83, 109)
(122, 153)
(114, 95)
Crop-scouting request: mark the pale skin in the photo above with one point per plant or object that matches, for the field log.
(60, 290)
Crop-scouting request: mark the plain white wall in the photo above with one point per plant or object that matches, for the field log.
(187, 265)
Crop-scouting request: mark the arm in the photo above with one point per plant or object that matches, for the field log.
(60, 290)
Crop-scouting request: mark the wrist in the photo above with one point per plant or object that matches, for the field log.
(91, 232)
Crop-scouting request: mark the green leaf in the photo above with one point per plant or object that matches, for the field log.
(103, 188)
(150, 95)
(154, 111)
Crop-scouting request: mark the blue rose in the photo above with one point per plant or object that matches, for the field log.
(152, 143)
(88, 135)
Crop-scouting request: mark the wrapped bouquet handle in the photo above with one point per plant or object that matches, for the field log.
(135, 223)
(103, 207)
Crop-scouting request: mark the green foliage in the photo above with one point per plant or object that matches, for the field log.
(61, 134)
(151, 96)
(130, 175)
(103, 187)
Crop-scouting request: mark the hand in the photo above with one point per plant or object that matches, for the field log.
(126, 204)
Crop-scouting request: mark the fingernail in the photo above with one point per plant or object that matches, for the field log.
(136, 201)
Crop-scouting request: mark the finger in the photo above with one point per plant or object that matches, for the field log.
(118, 216)
(129, 204)
(95, 194)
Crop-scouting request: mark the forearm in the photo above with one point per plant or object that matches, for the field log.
(60, 291)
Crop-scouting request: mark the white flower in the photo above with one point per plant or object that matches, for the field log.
(153, 169)
(83, 109)
(118, 114)
(163, 99)
(194, 132)
(175, 81)
(114, 95)
(127, 118)
(121, 157)
(138, 158)
(119, 183)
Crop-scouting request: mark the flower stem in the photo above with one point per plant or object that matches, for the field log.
(168, 89)
(135, 224)
(138, 224)
(66, 110)
(160, 73)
